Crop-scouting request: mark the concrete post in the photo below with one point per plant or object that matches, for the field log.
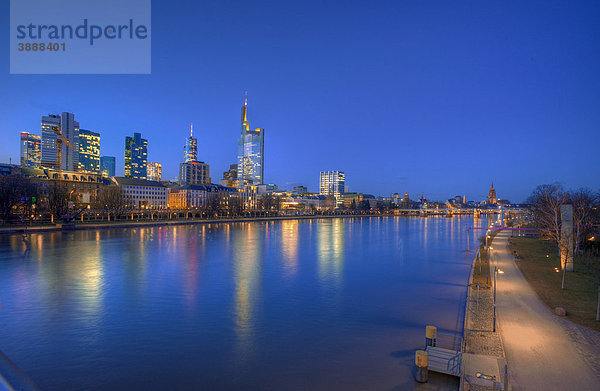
(422, 363)
(566, 237)
(430, 335)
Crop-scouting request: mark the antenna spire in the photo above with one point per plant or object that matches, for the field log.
(191, 128)
(246, 99)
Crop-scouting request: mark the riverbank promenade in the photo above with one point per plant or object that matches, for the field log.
(543, 351)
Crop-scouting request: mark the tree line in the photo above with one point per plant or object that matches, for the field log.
(546, 200)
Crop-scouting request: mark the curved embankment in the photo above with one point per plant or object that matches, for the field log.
(483, 350)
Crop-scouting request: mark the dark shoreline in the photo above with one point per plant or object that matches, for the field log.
(79, 227)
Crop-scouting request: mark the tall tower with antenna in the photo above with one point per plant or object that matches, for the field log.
(190, 150)
(251, 148)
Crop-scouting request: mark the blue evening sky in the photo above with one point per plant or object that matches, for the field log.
(426, 97)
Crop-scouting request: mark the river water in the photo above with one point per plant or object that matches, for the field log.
(279, 305)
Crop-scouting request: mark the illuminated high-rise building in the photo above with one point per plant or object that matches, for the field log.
(65, 123)
(230, 177)
(194, 173)
(136, 156)
(31, 154)
(107, 166)
(89, 150)
(251, 147)
(190, 150)
(154, 171)
(333, 183)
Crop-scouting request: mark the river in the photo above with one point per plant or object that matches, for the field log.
(271, 305)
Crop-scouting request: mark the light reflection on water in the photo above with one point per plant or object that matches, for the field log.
(295, 304)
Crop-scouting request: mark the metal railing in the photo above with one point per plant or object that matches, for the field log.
(12, 377)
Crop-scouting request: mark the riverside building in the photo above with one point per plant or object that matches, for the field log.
(333, 183)
(143, 194)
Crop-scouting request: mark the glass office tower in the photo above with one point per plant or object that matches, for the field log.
(89, 150)
(251, 147)
(107, 166)
(154, 171)
(136, 156)
(190, 150)
(333, 183)
(66, 124)
(31, 150)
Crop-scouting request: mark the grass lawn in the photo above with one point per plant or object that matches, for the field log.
(580, 296)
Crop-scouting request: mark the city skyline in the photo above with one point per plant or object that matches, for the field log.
(248, 195)
(389, 114)
(191, 171)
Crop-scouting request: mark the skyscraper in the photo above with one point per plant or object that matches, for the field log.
(89, 150)
(66, 124)
(30, 150)
(136, 156)
(154, 171)
(251, 148)
(190, 150)
(230, 177)
(333, 183)
(194, 173)
(107, 166)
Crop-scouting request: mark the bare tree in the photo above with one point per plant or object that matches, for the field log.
(236, 206)
(330, 202)
(584, 200)
(213, 204)
(270, 202)
(546, 201)
(364, 205)
(111, 200)
(15, 192)
(58, 199)
(353, 206)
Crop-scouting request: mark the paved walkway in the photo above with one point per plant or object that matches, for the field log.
(544, 351)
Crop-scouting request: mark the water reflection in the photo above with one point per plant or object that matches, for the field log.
(194, 253)
(246, 261)
(90, 283)
(289, 245)
(330, 250)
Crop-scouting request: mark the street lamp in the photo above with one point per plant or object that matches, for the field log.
(496, 271)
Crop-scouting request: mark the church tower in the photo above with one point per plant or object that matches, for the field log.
(492, 196)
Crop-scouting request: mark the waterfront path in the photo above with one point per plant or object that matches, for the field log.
(544, 351)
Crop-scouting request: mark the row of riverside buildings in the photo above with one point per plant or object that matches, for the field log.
(64, 152)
